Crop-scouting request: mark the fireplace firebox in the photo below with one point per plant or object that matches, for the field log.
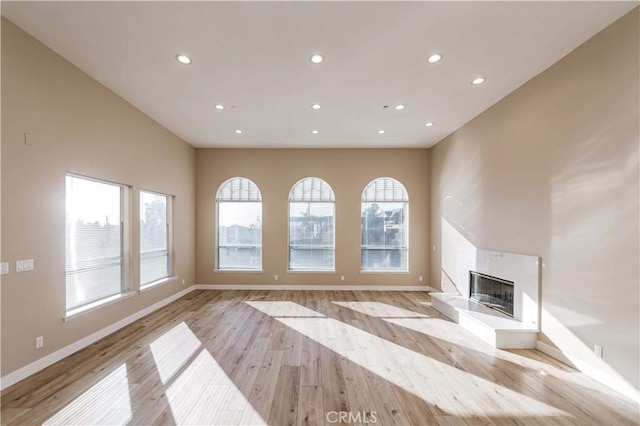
(493, 292)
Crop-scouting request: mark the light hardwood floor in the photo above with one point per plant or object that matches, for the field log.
(302, 358)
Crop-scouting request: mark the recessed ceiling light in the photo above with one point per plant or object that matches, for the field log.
(315, 106)
(183, 59)
(316, 59)
(434, 58)
(399, 106)
(315, 132)
(478, 80)
(381, 132)
(238, 131)
(218, 106)
(429, 124)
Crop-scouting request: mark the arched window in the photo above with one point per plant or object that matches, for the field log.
(384, 226)
(239, 215)
(311, 226)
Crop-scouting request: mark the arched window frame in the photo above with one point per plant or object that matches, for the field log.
(386, 250)
(317, 197)
(241, 251)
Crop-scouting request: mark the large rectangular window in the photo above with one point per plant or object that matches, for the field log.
(311, 236)
(155, 256)
(94, 240)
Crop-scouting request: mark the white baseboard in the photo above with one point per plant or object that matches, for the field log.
(44, 362)
(313, 287)
(606, 379)
(554, 353)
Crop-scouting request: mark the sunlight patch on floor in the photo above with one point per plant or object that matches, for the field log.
(201, 393)
(105, 403)
(446, 330)
(283, 309)
(380, 310)
(173, 349)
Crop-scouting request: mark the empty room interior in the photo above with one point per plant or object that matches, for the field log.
(319, 213)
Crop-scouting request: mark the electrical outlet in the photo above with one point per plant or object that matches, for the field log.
(275, 277)
(39, 342)
(4, 268)
(598, 350)
(183, 282)
(341, 277)
(420, 278)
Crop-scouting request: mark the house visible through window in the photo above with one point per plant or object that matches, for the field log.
(311, 226)
(239, 210)
(155, 256)
(384, 222)
(94, 245)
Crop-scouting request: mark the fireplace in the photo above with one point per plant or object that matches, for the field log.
(493, 292)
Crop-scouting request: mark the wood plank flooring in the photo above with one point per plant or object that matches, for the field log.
(307, 358)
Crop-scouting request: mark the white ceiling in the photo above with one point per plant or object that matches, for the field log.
(255, 56)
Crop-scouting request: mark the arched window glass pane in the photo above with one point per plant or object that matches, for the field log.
(311, 226)
(311, 189)
(239, 189)
(384, 226)
(385, 189)
(239, 217)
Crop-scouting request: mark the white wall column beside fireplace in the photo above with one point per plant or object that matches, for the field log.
(496, 328)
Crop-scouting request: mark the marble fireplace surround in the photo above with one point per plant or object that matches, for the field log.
(496, 328)
(523, 270)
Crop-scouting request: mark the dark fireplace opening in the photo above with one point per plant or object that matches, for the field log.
(493, 292)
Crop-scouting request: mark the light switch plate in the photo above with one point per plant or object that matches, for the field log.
(4, 268)
(24, 265)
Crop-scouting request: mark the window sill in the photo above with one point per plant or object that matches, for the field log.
(78, 312)
(240, 271)
(310, 271)
(157, 283)
(382, 271)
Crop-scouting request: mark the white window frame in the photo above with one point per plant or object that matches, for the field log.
(399, 195)
(236, 198)
(125, 250)
(311, 197)
(169, 227)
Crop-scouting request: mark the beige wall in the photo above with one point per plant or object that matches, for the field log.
(348, 171)
(74, 124)
(552, 170)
